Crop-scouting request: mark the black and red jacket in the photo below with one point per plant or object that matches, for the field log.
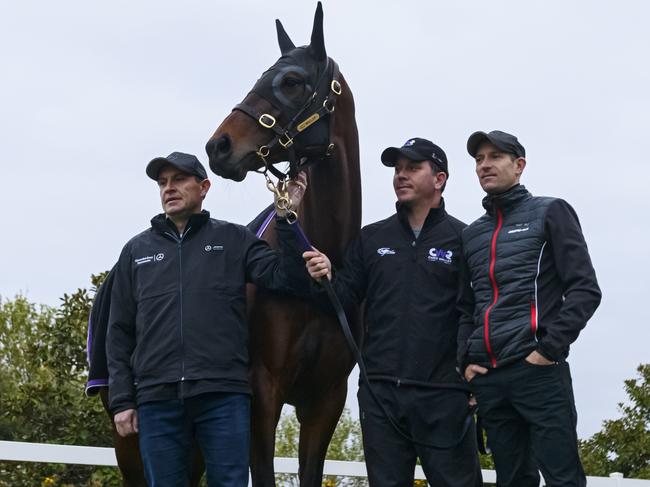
(533, 281)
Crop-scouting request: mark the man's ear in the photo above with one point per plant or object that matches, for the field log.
(521, 165)
(205, 187)
(441, 179)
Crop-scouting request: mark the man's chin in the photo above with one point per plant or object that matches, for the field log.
(407, 202)
(176, 212)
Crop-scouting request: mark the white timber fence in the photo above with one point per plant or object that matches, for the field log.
(16, 451)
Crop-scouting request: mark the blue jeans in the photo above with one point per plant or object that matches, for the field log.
(220, 422)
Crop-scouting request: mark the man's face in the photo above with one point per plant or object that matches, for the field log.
(414, 181)
(497, 171)
(181, 194)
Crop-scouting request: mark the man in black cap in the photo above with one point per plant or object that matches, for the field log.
(177, 342)
(534, 288)
(408, 270)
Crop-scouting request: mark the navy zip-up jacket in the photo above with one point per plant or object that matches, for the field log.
(178, 306)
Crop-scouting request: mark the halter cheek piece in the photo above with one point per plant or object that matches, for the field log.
(285, 139)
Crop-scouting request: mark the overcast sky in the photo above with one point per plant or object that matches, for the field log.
(90, 91)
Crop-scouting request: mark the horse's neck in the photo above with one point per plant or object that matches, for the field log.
(331, 208)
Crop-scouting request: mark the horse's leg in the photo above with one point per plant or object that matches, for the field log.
(127, 451)
(266, 407)
(317, 423)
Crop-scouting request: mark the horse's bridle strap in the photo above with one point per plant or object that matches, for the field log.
(285, 137)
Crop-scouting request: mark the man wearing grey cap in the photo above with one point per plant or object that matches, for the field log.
(177, 342)
(408, 269)
(535, 289)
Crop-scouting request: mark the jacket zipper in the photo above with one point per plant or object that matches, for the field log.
(179, 241)
(495, 289)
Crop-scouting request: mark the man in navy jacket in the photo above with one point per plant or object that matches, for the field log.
(534, 288)
(177, 342)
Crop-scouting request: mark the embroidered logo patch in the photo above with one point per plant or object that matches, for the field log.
(520, 227)
(385, 251)
(149, 258)
(213, 248)
(440, 255)
(409, 142)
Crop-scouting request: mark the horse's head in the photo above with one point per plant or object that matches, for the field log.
(271, 122)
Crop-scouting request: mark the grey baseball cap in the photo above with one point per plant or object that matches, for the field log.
(183, 162)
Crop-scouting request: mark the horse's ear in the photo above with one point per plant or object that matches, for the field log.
(285, 42)
(317, 45)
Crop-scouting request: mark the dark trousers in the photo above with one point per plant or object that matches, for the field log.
(221, 425)
(529, 414)
(427, 415)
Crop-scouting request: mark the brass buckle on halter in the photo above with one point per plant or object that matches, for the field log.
(263, 151)
(285, 143)
(335, 87)
(266, 120)
(329, 105)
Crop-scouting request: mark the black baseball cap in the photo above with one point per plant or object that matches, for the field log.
(416, 149)
(184, 162)
(501, 140)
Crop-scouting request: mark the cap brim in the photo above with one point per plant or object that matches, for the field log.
(155, 165)
(475, 140)
(389, 156)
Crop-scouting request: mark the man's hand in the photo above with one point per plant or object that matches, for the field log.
(296, 188)
(473, 370)
(537, 358)
(318, 264)
(295, 191)
(126, 422)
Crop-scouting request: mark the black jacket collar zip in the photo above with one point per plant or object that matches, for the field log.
(435, 215)
(507, 199)
(163, 225)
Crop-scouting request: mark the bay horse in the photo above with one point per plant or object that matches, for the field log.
(298, 355)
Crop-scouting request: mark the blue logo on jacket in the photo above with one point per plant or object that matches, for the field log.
(440, 255)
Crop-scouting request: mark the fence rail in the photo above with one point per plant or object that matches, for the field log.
(17, 451)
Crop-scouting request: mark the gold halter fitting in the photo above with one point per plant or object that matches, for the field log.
(266, 120)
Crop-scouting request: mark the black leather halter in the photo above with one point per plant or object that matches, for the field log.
(286, 140)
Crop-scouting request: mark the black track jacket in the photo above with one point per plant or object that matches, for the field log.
(178, 307)
(414, 291)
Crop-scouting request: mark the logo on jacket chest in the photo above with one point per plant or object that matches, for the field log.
(385, 251)
(213, 248)
(440, 255)
(520, 227)
(149, 258)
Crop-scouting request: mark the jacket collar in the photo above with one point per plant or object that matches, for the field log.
(434, 216)
(507, 199)
(161, 224)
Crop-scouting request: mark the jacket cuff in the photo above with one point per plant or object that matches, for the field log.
(123, 407)
(121, 402)
(461, 364)
(546, 353)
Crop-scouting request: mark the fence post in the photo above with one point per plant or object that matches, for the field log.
(618, 478)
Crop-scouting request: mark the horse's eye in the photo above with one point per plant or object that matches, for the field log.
(291, 81)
